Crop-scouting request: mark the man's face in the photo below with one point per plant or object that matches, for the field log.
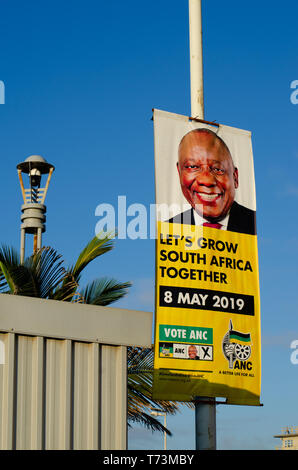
(192, 352)
(207, 175)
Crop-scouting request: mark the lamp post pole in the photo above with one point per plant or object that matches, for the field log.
(157, 412)
(205, 407)
(196, 59)
(33, 208)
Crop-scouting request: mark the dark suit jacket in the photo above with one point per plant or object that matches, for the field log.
(241, 219)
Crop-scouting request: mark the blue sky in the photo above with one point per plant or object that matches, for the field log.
(81, 79)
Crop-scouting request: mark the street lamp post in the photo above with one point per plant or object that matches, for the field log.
(158, 412)
(33, 210)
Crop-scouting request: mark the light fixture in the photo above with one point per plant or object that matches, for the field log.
(33, 210)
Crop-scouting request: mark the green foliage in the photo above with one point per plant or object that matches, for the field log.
(139, 384)
(38, 276)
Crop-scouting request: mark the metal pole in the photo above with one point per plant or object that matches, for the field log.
(35, 243)
(47, 185)
(205, 423)
(205, 417)
(165, 434)
(22, 254)
(22, 185)
(39, 232)
(196, 59)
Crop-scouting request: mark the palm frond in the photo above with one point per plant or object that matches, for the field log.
(140, 358)
(104, 291)
(36, 277)
(47, 270)
(148, 421)
(139, 385)
(17, 276)
(9, 261)
(99, 245)
(3, 282)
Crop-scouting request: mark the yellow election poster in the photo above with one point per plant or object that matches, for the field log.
(207, 318)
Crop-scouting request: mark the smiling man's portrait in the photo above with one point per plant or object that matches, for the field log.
(209, 181)
(193, 353)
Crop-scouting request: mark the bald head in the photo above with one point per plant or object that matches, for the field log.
(207, 174)
(206, 137)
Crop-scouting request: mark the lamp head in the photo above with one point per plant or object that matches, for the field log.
(35, 162)
(35, 167)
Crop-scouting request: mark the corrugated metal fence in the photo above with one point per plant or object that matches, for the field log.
(64, 393)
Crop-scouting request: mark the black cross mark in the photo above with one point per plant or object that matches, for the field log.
(206, 351)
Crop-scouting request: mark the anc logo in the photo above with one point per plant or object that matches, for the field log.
(235, 347)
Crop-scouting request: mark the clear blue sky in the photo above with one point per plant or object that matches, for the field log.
(81, 78)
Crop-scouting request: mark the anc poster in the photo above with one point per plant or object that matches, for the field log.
(207, 318)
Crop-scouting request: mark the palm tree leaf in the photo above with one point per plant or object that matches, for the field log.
(66, 290)
(17, 279)
(140, 358)
(99, 245)
(140, 384)
(7, 276)
(104, 291)
(48, 266)
(46, 272)
(9, 261)
(36, 277)
(148, 421)
(3, 282)
(9, 255)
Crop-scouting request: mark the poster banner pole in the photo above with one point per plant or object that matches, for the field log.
(205, 413)
(196, 59)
